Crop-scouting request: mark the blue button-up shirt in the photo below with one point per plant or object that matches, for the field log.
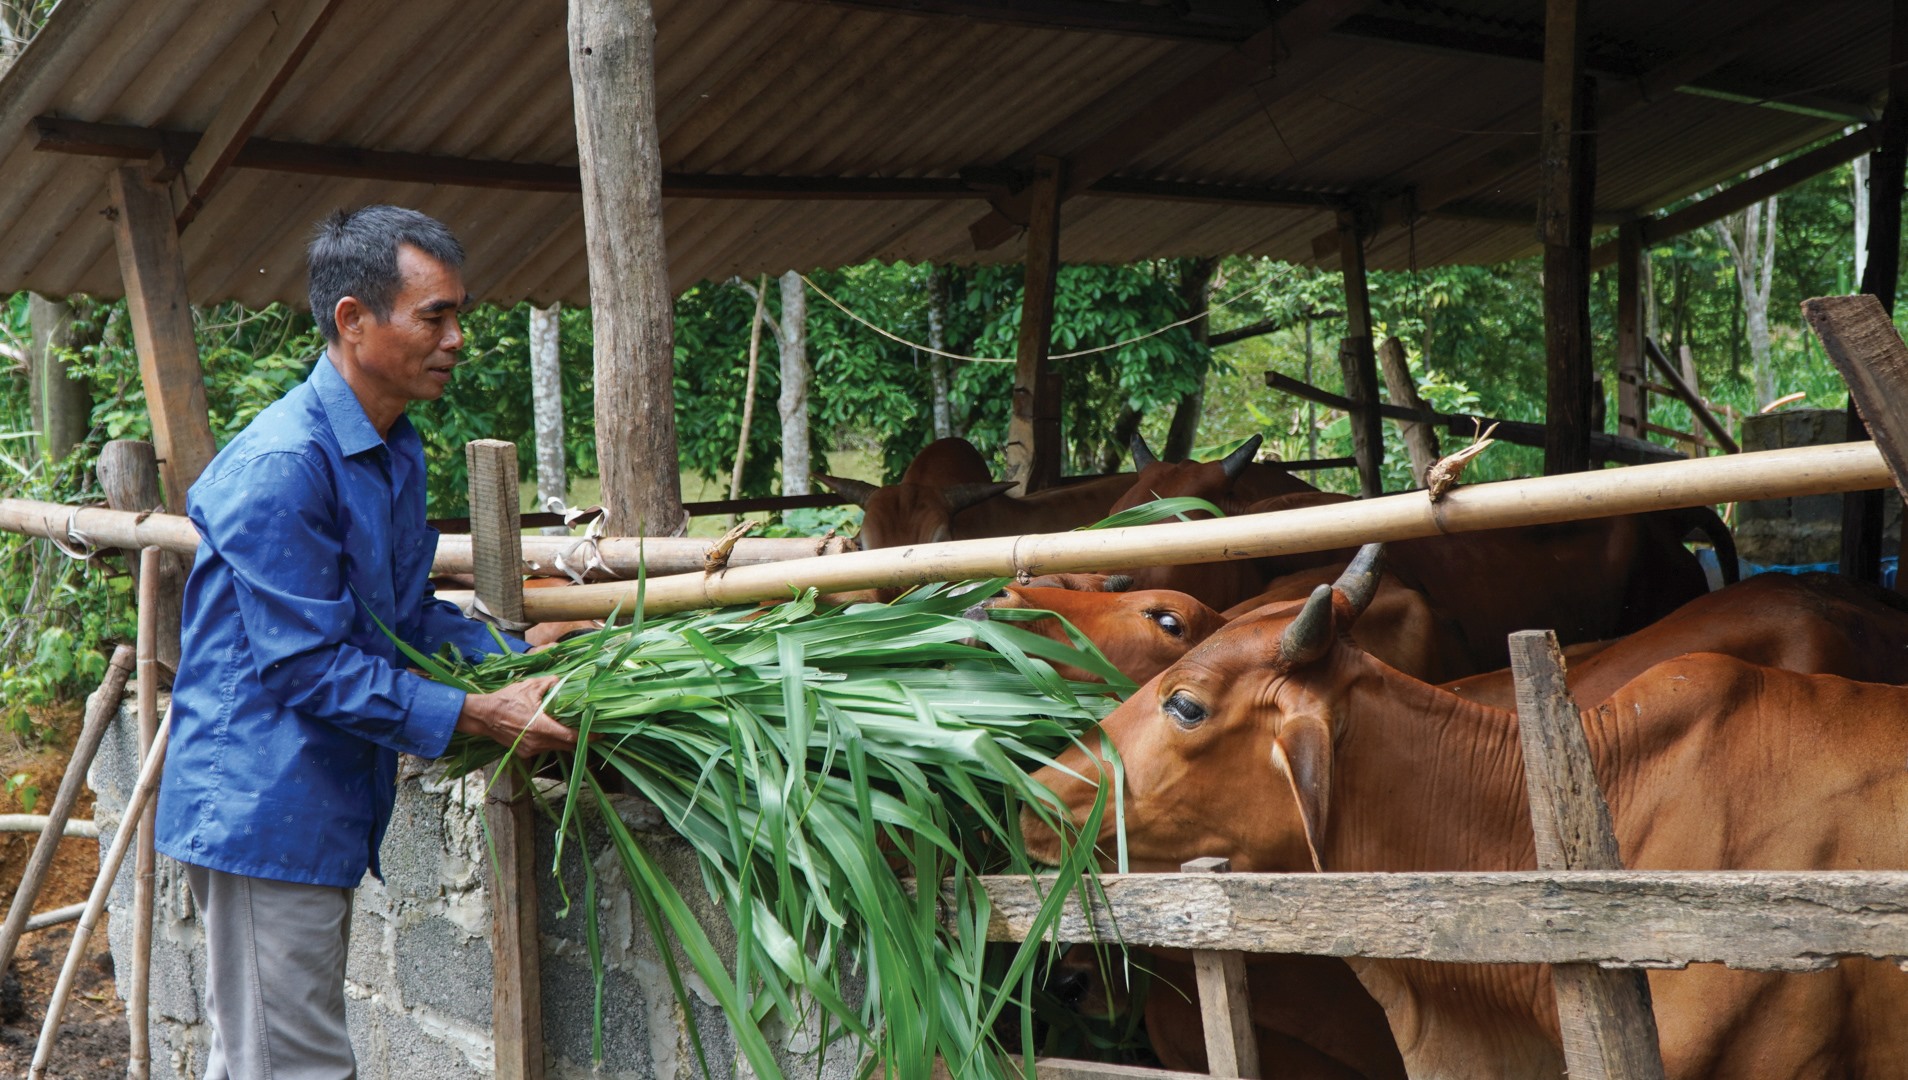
(291, 705)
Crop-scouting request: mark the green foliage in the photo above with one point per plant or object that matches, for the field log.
(21, 786)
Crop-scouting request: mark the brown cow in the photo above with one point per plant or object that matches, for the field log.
(1818, 624)
(1708, 762)
(1140, 632)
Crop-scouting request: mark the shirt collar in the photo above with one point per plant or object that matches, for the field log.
(344, 411)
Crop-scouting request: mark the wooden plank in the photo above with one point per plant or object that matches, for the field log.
(1566, 174)
(129, 475)
(496, 535)
(1758, 920)
(1421, 442)
(1225, 1002)
(1861, 340)
(161, 317)
(1206, 23)
(613, 76)
(1127, 137)
(1358, 362)
(296, 29)
(1068, 1069)
(1687, 394)
(516, 1001)
(1768, 474)
(1604, 1016)
(1033, 432)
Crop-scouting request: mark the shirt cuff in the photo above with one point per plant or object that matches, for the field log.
(433, 718)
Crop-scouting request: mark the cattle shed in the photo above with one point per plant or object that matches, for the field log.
(179, 154)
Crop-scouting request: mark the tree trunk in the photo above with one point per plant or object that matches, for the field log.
(748, 386)
(546, 393)
(1750, 238)
(62, 406)
(795, 374)
(613, 77)
(1421, 442)
(1195, 290)
(937, 339)
(1860, 169)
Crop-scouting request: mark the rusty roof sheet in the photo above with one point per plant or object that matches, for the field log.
(778, 88)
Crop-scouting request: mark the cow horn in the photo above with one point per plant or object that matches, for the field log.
(1142, 453)
(1359, 582)
(855, 491)
(1236, 461)
(1310, 635)
(961, 496)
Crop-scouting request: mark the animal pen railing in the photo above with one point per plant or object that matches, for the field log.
(1580, 911)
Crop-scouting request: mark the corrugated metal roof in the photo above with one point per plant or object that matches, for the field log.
(780, 88)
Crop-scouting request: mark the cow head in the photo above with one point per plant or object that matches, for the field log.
(1209, 480)
(909, 513)
(1140, 632)
(1229, 751)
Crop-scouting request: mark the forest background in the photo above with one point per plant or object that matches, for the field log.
(833, 395)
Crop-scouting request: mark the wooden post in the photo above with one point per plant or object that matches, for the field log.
(1608, 1029)
(100, 711)
(1033, 435)
(1860, 338)
(1225, 1003)
(1565, 201)
(1632, 399)
(1358, 361)
(613, 74)
(145, 858)
(516, 995)
(129, 475)
(155, 280)
(1421, 440)
(1881, 277)
(1679, 381)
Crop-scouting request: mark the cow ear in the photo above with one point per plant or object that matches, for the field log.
(1302, 753)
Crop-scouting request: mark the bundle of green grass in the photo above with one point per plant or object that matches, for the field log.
(830, 766)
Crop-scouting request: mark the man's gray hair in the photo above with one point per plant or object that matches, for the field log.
(355, 253)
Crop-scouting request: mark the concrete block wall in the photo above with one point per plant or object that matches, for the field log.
(418, 977)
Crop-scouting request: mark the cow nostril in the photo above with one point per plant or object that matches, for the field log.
(1071, 989)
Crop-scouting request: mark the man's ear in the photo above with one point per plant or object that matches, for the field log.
(350, 315)
(1302, 754)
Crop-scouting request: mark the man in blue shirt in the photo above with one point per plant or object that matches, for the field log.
(291, 705)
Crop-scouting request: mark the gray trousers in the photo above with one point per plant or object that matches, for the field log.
(274, 984)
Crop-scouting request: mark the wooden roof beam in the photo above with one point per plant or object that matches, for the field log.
(1240, 67)
(245, 104)
(1512, 152)
(1208, 20)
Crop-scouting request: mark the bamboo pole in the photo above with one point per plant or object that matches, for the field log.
(99, 713)
(145, 859)
(37, 823)
(96, 902)
(103, 528)
(1770, 474)
(55, 917)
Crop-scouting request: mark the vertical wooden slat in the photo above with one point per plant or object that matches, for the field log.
(516, 999)
(145, 858)
(1632, 398)
(161, 317)
(1359, 361)
(1608, 1029)
(1565, 200)
(129, 475)
(1033, 434)
(1861, 340)
(613, 77)
(1225, 1003)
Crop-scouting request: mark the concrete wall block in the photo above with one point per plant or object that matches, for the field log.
(569, 995)
(443, 969)
(1808, 530)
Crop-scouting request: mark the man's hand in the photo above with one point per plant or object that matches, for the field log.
(504, 714)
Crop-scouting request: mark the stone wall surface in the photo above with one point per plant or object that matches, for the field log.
(418, 978)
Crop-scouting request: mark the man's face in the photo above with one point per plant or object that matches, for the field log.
(409, 356)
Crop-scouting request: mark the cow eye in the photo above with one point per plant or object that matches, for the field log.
(1184, 710)
(1168, 622)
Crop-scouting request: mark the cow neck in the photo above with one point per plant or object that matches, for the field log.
(1422, 778)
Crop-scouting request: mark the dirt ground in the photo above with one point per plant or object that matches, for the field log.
(92, 1043)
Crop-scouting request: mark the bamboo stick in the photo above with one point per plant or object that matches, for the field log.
(99, 527)
(96, 902)
(138, 995)
(37, 823)
(1769, 474)
(55, 917)
(99, 713)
